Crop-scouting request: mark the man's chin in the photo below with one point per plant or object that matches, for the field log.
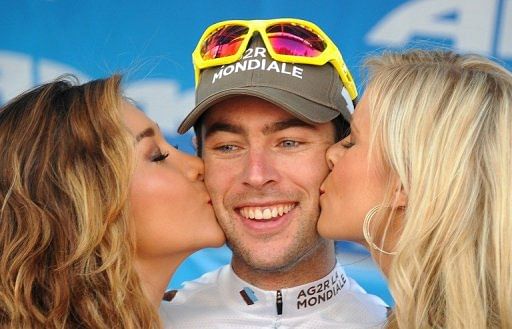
(263, 263)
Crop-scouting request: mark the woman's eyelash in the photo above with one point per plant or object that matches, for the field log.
(347, 142)
(159, 157)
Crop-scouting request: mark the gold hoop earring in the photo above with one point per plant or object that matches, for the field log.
(366, 231)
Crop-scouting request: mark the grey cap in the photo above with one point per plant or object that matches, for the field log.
(314, 94)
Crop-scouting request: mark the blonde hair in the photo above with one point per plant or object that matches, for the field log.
(442, 123)
(66, 244)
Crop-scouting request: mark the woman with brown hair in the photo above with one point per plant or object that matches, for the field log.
(96, 209)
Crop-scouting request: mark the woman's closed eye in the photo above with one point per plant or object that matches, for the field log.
(347, 142)
(159, 156)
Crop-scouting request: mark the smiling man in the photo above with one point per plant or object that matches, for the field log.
(264, 172)
(263, 124)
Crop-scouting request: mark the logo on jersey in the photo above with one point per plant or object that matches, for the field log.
(321, 292)
(248, 295)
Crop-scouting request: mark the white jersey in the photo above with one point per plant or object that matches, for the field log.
(220, 299)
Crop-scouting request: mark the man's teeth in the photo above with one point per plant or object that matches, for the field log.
(265, 212)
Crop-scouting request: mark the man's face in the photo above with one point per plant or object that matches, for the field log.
(263, 169)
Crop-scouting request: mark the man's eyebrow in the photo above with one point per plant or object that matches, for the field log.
(225, 127)
(148, 132)
(282, 125)
(267, 130)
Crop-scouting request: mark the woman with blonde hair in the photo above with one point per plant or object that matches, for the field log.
(96, 210)
(424, 180)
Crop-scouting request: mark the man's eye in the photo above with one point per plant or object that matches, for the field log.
(227, 148)
(289, 143)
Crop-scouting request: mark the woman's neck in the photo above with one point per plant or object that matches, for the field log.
(155, 276)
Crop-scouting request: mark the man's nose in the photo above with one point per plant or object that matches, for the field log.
(260, 169)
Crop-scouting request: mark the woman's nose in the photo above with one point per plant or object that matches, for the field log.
(194, 167)
(332, 154)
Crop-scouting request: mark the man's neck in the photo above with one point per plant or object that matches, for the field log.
(313, 266)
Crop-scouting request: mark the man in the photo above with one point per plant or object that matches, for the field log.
(262, 128)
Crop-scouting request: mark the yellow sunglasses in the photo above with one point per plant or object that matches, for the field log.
(286, 39)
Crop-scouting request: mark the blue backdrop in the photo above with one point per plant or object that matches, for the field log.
(151, 42)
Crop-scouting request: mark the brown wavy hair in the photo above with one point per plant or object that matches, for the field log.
(66, 244)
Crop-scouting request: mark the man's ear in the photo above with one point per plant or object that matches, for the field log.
(400, 198)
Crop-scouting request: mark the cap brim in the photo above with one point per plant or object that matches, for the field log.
(290, 102)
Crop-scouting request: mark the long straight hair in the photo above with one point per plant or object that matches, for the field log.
(66, 243)
(442, 123)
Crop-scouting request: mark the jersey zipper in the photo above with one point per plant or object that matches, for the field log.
(279, 302)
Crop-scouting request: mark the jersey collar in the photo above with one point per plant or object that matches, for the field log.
(289, 302)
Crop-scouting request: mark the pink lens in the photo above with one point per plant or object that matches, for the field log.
(223, 42)
(295, 40)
